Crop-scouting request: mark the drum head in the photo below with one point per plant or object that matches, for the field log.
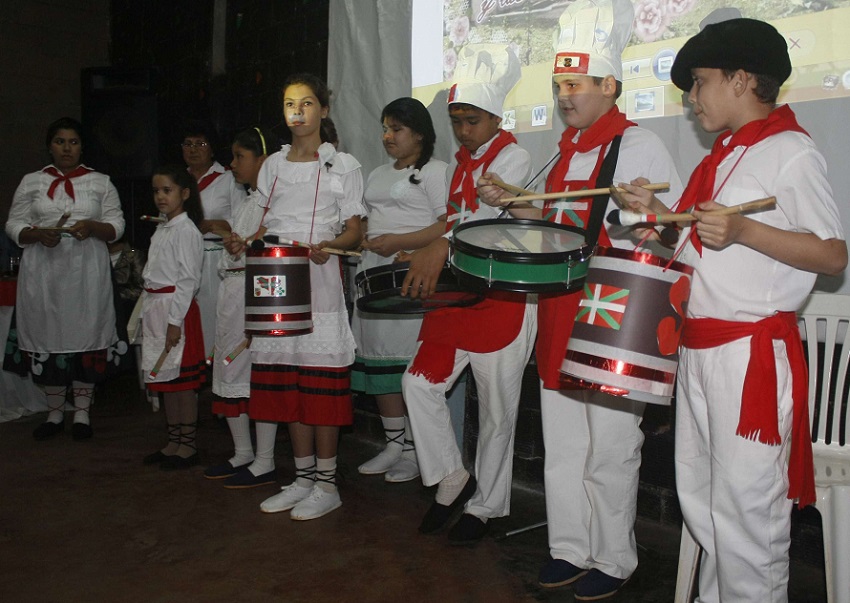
(379, 292)
(525, 256)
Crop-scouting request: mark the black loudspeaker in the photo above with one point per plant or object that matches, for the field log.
(120, 121)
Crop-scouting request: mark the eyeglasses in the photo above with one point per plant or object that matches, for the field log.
(192, 145)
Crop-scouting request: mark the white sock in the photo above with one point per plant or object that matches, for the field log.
(264, 460)
(55, 395)
(240, 431)
(326, 474)
(393, 430)
(450, 487)
(305, 471)
(83, 395)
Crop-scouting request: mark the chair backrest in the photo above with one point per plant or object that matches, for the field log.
(825, 326)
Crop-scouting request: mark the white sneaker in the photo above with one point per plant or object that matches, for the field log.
(288, 497)
(388, 457)
(320, 502)
(405, 469)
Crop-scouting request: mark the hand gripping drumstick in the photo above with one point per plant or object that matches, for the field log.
(657, 186)
(627, 218)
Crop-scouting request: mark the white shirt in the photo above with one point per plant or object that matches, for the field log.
(738, 283)
(397, 206)
(175, 258)
(222, 197)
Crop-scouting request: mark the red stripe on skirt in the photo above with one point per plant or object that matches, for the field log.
(230, 407)
(310, 395)
(193, 365)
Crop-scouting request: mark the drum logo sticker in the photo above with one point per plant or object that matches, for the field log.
(270, 286)
(603, 306)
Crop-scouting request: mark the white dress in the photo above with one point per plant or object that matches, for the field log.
(387, 342)
(64, 300)
(233, 380)
(221, 199)
(174, 259)
(302, 211)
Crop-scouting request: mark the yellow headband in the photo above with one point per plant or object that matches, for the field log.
(262, 139)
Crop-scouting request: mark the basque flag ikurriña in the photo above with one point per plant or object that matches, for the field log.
(603, 306)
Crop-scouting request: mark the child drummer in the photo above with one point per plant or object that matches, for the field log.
(495, 336)
(592, 440)
(737, 416)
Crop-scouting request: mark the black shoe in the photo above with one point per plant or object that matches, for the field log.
(597, 585)
(468, 530)
(438, 516)
(47, 430)
(245, 479)
(81, 431)
(155, 458)
(175, 462)
(222, 471)
(558, 572)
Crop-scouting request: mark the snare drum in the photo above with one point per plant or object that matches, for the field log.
(625, 338)
(526, 256)
(379, 290)
(277, 291)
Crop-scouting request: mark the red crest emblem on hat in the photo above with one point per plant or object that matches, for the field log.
(571, 62)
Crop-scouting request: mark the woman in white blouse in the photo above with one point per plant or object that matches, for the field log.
(63, 216)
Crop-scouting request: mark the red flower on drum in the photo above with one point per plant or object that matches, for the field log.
(603, 305)
(669, 330)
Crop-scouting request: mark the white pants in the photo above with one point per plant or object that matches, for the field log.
(498, 377)
(733, 490)
(591, 468)
(207, 295)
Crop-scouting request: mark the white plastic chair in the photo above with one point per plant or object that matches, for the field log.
(824, 319)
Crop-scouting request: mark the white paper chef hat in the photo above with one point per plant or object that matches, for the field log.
(484, 75)
(593, 36)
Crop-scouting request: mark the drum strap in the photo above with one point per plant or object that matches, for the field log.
(604, 180)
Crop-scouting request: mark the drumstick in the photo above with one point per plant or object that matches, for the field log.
(669, 234)
(160, 361)
(631, 218)
(510, 187)
(157, 219)
(657, 186)
(53, 228)
(63, 219)
(236, 351)
(330, 250)
(211, 357)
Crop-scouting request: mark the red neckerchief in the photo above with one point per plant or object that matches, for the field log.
(600, 135)
(80, 170)
(463, 189)
(701, 185)
(758, 418)
(207, 180)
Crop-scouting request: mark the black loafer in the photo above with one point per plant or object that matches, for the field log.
(155, 458)
(47, 430)
(175, 462)
(221, 471)
(559, 572)
(597, 585)
(245, 479)
(439, 516)
(468, 530)
(81, 431)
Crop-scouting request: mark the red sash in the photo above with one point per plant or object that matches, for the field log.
(169, 289)
(758, 419)
(80, 170)
(556, 311)
(701, 184)
(207, 180)
(489, 325)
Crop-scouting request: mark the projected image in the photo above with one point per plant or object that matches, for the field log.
(815, 32)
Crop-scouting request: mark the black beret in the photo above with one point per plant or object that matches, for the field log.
(748, 44)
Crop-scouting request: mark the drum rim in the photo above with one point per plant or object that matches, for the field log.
(415, 304)
(475, 282)
(549, 257)
(266, 251)
(391, 267)
(644, 257)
